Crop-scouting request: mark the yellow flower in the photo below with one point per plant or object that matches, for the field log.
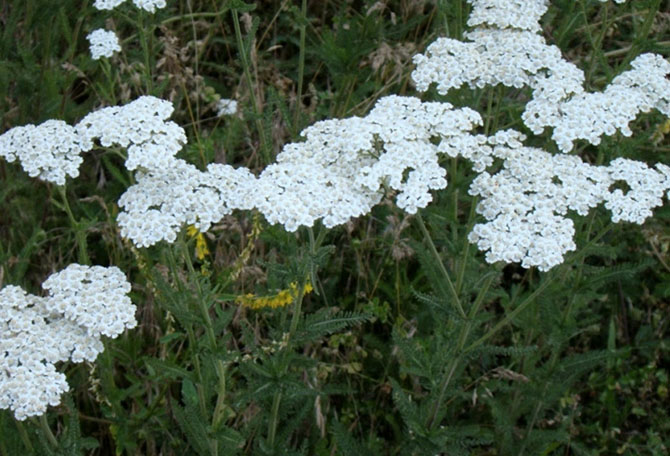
(662, 129)
(256, 229)
(281, 299)
(201, 249)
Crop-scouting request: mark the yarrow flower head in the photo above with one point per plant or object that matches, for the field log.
(107, 4)
(504, 48)
(84, 302)
(147, 5)
(165, 199)
(527, 201)
(150, 5)
(344, 167)
(104, 43)
(49, 151)
(226, 107)
(517, 14)
(84, 293)
(140, 126)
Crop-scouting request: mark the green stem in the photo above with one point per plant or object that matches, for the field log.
(466, 250)
(272, 426)
(295, 320)
(46, 430)
(511, 315)
(24, 436)
(440, 264)
(459, 29)
(463, 337)
(443, 389)
(641, 37)
(276, 400)
(192, 341)
(77, 226)
(106, 68)
(301, 67)
(489, 110)
(219, 366)
(247, 74)
(145, 51)
(597, 45)
(220, 408)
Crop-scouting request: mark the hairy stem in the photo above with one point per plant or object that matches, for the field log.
(219, 366)
(46, 431)
(295, 320)
(438, 260)
(77, 226)
(463, 337)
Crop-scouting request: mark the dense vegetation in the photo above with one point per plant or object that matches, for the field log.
(387, 335)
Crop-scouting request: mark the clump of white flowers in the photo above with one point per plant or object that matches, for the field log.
(504, 48)
(104, 43)
(150, 5)
(346, 166)
(163, 200)
(141, 127)
(83, 303)
(526, 202)
(340, 171)
(590, 115)
(49, 151)
(147, 5)
(226, 107)
(107, 4)
(518, 14)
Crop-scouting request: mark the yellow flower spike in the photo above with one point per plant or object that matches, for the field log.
(281, 299)
(256, 229)
(201, 249)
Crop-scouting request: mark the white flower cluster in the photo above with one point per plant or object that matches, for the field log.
(104, 43)
(49, 151)
(526, 201)
(590, 115)
(140, 126)
(107, 4)
(340, 171)
(35, 333)
(344, 166)
(504, 48)
(165, 199)
(150, 5)
(518, 14)
(147, 5)
(226, 107)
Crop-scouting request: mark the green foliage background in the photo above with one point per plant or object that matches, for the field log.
(378, 359)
